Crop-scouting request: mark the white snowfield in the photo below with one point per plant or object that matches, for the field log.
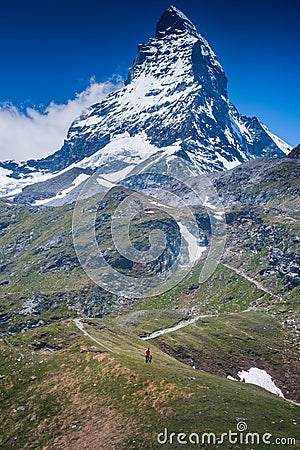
(260, 378)
(76, 182)
(181, 324)
(195, 251)
(11, 186)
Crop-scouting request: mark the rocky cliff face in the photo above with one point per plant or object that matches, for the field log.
(295, 152)
(263, 221)
(174, 106)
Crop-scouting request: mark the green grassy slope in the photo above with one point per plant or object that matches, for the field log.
(59, 389)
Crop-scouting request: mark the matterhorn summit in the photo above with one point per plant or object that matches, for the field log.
(173, 106)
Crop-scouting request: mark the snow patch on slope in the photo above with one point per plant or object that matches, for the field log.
(243, 130)
(228, 164)
(76, 182)
(260, 378)
(12, 186)
(193, 248)
(123, 147)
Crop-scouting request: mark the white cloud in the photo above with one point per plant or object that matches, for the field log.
(34, 134)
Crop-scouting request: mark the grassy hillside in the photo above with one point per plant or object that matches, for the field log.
(62, 390)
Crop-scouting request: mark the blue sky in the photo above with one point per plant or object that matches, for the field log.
(51, 49)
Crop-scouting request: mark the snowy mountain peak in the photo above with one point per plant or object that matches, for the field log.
(173, 108)
(173, 21)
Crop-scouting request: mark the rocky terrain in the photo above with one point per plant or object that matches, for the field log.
(295, 152)
(41, 279)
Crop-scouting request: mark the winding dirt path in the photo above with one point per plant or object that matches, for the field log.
(183, 323)
(80, 326)
(252, 280)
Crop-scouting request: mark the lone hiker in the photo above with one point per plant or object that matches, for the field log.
(148, 355)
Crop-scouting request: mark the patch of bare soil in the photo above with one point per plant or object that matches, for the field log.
(285, 375)
(102, 431)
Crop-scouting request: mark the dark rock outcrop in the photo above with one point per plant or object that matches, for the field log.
(295, 152)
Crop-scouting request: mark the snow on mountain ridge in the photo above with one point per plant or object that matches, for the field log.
(174, 105)
(278, 141)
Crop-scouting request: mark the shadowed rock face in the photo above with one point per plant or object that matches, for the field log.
(171, 22)
(295, 153)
